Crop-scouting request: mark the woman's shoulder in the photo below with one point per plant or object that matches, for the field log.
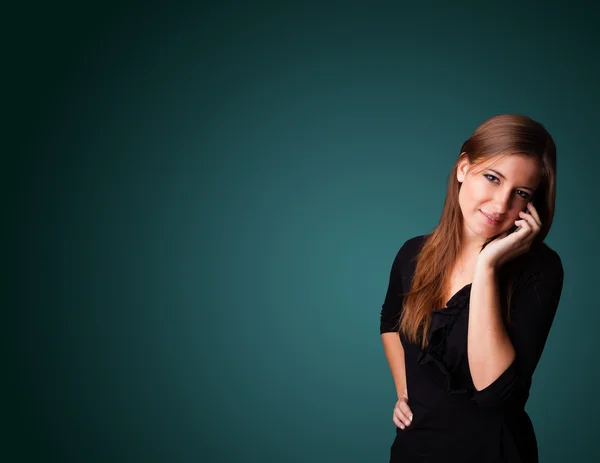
(543, 261)
(544, 257)
(411, 248)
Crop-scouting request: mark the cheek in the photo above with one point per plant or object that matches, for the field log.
(470, 193)
(517, 206)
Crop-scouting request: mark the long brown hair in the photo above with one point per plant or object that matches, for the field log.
(498, 136)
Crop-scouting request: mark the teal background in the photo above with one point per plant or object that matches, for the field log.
(205, 203)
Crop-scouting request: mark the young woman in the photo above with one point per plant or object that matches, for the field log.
(470, 305)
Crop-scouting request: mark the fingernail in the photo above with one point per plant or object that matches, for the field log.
(401, 426)
(410, 418)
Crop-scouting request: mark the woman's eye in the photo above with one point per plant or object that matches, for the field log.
(521, 193)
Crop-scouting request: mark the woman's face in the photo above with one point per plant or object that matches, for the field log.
(492, 194)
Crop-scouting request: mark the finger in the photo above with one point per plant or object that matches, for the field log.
(407, 411)
(400, 419)
(533, 211)
(403, 413)
(398, 422)
(510, 237)
(530, 220)
(501, 236)
(524, 228)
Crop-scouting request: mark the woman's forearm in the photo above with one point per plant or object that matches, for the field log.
(394, 353)
(490, 351)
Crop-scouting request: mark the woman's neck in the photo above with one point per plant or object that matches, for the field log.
(471, 244)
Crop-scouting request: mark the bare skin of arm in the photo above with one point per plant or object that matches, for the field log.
(490, 351)
(394, 353)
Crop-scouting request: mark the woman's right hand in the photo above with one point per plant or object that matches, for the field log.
(402, 414)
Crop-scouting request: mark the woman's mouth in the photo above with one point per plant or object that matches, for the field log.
(490, 220)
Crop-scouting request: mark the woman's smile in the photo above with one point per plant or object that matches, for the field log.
(490, 220)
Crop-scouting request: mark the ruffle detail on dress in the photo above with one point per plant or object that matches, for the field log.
(442, 322)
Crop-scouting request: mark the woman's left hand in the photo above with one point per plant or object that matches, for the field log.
(508, 246)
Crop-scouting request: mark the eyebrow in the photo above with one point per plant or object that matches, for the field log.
(500, 175)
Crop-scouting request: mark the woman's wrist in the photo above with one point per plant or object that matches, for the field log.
(485, 266)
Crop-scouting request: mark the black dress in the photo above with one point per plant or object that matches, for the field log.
(452, 421)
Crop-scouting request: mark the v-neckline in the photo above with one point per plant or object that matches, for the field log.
(456, 294)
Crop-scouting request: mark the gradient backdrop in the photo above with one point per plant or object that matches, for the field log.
(206, 202)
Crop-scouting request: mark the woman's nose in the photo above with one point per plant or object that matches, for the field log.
(501, 202)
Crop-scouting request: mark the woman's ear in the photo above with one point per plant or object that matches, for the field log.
(462, 168)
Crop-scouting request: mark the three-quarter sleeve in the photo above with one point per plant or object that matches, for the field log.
(392, 306)
(533, 307)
